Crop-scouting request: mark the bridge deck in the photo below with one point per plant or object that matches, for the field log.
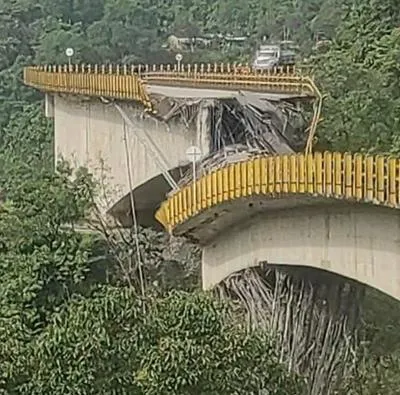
(119, 83)
(353, 178)
(210, 93)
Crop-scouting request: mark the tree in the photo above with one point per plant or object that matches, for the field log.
(183, 344)
(54, 42)
(41, 261)
(374, 376)
(358, 76)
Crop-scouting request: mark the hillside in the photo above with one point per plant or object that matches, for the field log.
(73, 315)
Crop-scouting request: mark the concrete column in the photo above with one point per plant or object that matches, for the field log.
(203, 126)
(49, 106)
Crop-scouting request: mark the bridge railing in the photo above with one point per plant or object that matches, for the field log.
(128, 82)
(276, 81)
(219, 68)
(358, 178)
(145, 69)
(84, 81)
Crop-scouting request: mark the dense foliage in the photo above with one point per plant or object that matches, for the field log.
(181, 345)
(360, 78)
(69, 321)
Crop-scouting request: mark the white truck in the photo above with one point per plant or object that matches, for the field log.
(273, 55)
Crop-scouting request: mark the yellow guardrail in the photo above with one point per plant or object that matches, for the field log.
(126, 82)
(129, 82)
(231, 76)
(87, 81)
(221, 68)
(374, 179)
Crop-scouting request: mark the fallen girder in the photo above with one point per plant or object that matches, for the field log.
(239, 127)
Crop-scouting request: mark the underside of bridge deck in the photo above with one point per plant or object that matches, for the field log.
(358, 242)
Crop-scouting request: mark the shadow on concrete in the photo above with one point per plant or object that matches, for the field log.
(147, 199)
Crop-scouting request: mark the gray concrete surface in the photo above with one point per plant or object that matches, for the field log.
(193, 93)
(93, 134)
(361, 242)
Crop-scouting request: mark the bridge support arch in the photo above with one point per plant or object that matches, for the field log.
(357, 242)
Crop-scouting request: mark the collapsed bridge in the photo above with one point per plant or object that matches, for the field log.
(261, 199)
(143, 118)
(137, 122)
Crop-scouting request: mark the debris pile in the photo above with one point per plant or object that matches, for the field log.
(240, 128)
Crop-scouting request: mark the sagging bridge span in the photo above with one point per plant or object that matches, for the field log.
(333, 211)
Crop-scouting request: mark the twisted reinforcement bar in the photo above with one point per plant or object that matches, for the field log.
(369, 179)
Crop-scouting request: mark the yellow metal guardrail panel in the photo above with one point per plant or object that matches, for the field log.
(87, 81)
(128, 82)
(374, 179)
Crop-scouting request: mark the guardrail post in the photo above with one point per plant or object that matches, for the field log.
(281, 80)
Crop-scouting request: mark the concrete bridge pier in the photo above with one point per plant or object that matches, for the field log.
(126, 148)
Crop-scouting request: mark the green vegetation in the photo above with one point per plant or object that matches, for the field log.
(360, 77)
(71, 321)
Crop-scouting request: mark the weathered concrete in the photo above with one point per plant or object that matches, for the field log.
(49, 106)
(355, 241)
(91, 133)
(207, 93)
